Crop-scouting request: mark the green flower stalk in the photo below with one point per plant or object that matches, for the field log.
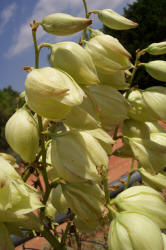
(61, 24)
(52, 93)
(113, 20)
(76, 61)
(21, 133)
(143, 200)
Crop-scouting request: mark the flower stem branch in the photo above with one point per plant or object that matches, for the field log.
(129, 175)
(139, 53)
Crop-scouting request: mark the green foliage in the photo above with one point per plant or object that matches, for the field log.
(150, 15)
(8, 103)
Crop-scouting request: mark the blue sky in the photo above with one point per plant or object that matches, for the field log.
(16, 47)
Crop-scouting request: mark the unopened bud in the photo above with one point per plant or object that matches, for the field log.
(156, 48)
(156, 69)
(107, 53)
(157, 181)
(61, 24)
(122, 236)
(150, 154)
(112, 105)
(115, 21)
(139, 109)
(143, 200)
(113, 78)
(76, 61)
(133, 128)
(155, 98)
(21, 133)
(51, 92)
(68, 149)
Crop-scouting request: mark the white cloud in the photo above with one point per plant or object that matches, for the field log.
(45, 7)
(6, 15)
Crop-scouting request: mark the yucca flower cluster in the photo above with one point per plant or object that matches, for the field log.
(62, 133)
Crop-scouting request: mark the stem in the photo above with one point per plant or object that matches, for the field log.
(52, 240)
(36, 49)
(43, 150)
(115, 133)
(77, 238)
(112, 210)
(130, 173)
(136, 65)
(87, 16)
(106, 190)
(27, 173)
(86, 9)
(43, 153)
(47, 45)
(64, 237)
(107, 196)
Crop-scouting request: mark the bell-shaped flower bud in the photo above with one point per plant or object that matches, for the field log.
(51, 92)
(10, 159)
(108, 53)
(164, 240)
(133, 128)
(149, 154)
(76, 61)
(124, 151)
(113, 20)
(6, 241)
(113, 78)
(80, 119)
(50, 210)
(16, 197)
(61, 24)
(21, 133)
(122, 236)
(143, 200)
(86, 201)
(103, 138)
(156, 48)
(139, 109)
(155, 127)
(95, 32)
(155, 98)
(76, 157)
(156, 69)
(112, 106)
(85, 227)
(159, 138)
(157, 181)
(58, 199)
